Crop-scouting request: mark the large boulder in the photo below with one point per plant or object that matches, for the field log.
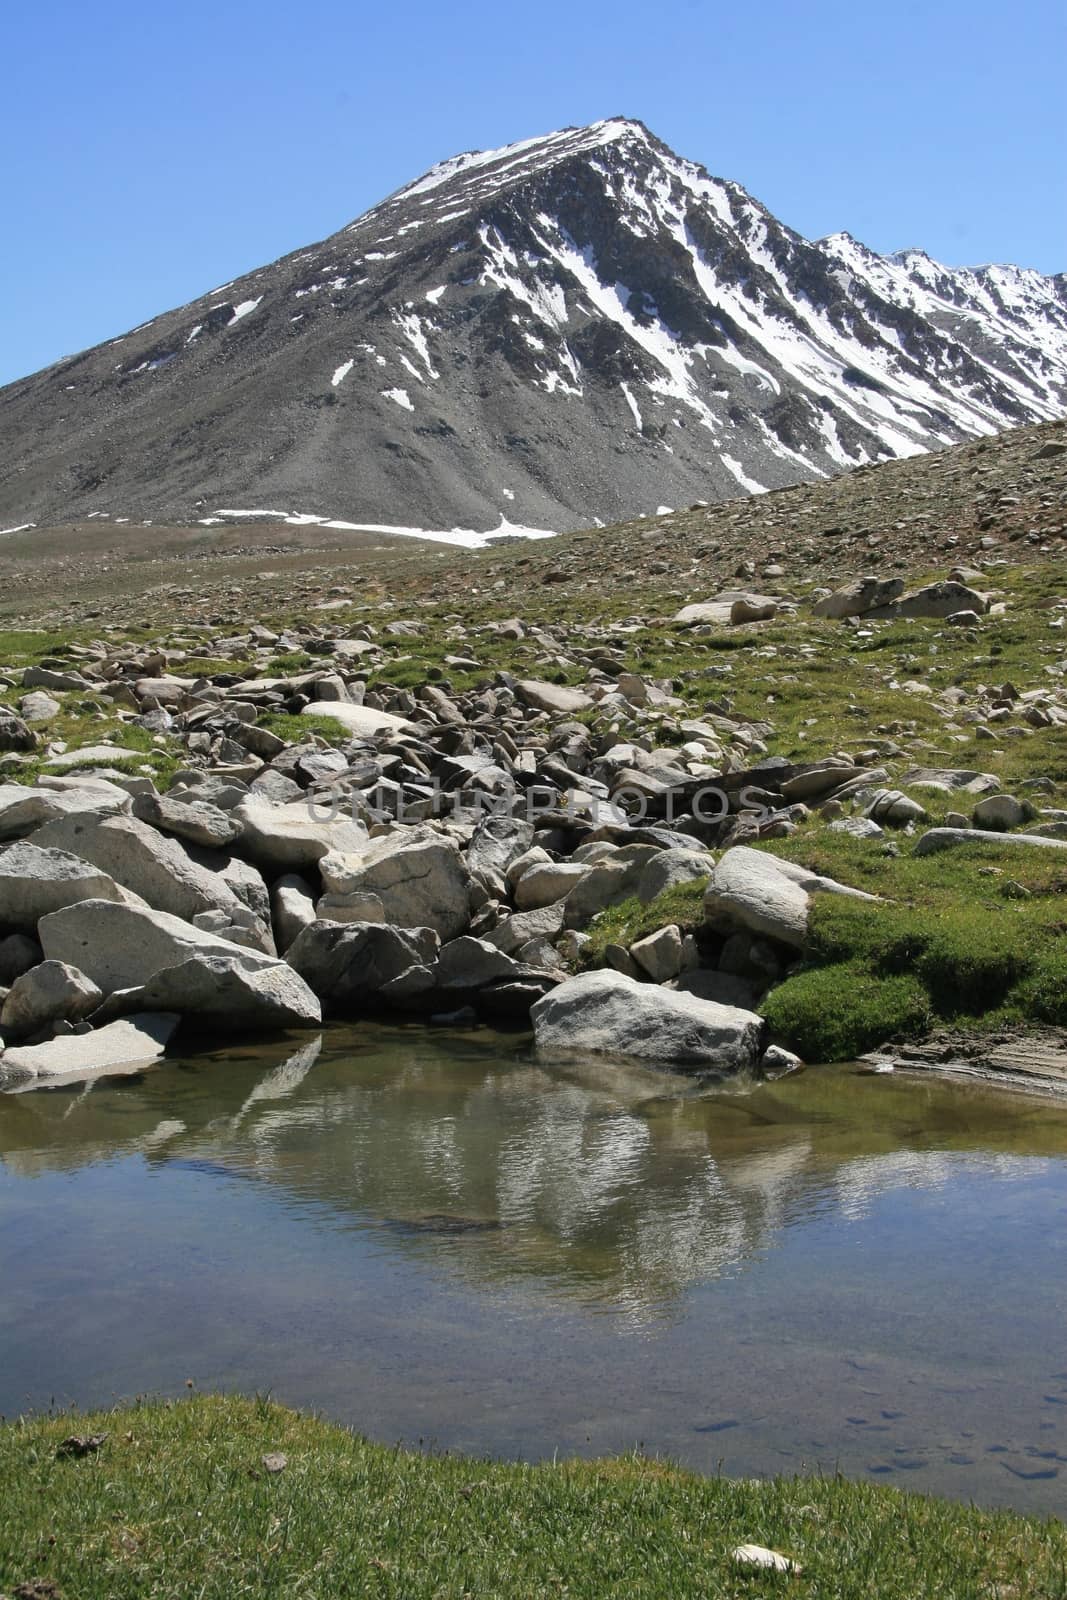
(14, 734)
(718, 611)
(766, 895)
(52, 992)
(857, 598)
(290, 837)
(363, 721)
(936, 839)
(22, 810)
(122, 947)
(139, 858)
(416, 873)
(196, 821)
(669, 868)
(607, 1013)
(556, 698)
(349, 963)
(123, 1046)
(217, 992)
(941, 600)
(293, 908)
(35, 880)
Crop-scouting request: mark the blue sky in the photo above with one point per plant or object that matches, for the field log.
(153, 150)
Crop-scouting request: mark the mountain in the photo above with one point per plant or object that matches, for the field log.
(577, 328)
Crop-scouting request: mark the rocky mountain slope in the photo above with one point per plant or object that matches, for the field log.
(574, 329)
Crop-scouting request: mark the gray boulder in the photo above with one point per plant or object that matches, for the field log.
(18, 953)
(607, 1013)
(999, 812)
(941, 600)
(49, 993)
(14, 734)
(197, 821)
(287, 838)
(468, 963)
(668, 868)
(857, 598)
(215, 991)
(948, 838)
(659, 954)
(148, 863)
(553, 697)
(348, 964)
(35, 880)
(518, 930)
(22, 810)
(121, 1047)
(750, 889)
(122, 947)
(416, 873)
(292, 908)
(546, 882)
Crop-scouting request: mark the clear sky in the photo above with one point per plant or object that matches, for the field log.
(156, 148)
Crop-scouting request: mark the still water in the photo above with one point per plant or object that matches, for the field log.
(434, 1238)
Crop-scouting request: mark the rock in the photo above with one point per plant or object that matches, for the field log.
(286, 838)
(45, 678)
(363, 721)
(556, 698)
(668, 868)
(149, 864)
(722, 988)
(217, 992)
(495, 844)
(757, 1555)
(511, 934)
(90, 755)
(17, 955)
(355, 907)
(39, 706)
(35, 880)
(660, 953)
(47, 994)
(941, 600)
(947, 838)
(718, 611)
(22, 810)
(348, 964)
(999, 812)
(124, 1046)
(198, 821)
(545, 883)
(14, 734)
(894, 807)
(753, 890)
(417, 874)
(776, 1062)
(858, 827)
(855, 599)
(291, 909)
(947, 780)
(468, 963)
(744, 610)
(962, 619)
(605, 1012)
(122, 947)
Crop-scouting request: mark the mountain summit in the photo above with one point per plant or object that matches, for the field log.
(575, 328)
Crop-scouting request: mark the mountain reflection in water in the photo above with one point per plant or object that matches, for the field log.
(431, 1235)
(617, 1185)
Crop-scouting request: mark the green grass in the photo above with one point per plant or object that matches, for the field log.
(177, 1502)
(630, 920)
(975, 936)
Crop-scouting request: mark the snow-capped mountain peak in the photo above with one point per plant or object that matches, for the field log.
(578, 327)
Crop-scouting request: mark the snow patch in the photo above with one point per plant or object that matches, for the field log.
(400, 397)
(342, 373)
